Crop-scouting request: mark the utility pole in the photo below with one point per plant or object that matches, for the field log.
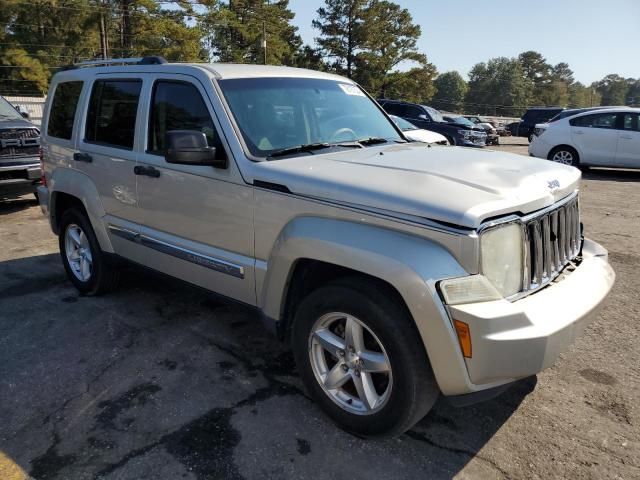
(104, 45)
(264, 40)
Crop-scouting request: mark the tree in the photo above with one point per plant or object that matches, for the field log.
(236, 30)
(498, 87)
(390, 40)
(581, 96)
(613, 89)
(341, 26)
(450, 91)
(633, 95)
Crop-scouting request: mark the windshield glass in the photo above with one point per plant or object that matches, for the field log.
(436, 116)
(403, 124)
(7, 110)
(460, 121)
(280, 113)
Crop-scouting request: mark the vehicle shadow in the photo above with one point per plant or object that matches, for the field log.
(612, 175)
(160, 356)
(15, 204)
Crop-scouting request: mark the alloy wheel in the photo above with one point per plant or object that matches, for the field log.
(78, 252)
(350, 363)
(563, 156)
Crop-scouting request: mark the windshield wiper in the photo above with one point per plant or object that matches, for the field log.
(371, 140)
(309, 147)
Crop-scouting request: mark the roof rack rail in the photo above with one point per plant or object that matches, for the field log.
(152, 60)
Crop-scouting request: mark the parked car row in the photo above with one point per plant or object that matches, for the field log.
(427, 118)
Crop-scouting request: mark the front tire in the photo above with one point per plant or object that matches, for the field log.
(565, 155)
(360, 357)
(88, 268)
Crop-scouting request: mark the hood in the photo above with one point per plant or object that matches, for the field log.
(9, 123)
(460, 186)
(425, 136)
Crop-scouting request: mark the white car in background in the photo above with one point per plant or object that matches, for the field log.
(416, 134)
(602, 138)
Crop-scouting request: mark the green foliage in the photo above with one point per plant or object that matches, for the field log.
(498, 87)
(235, 32)
(451, 89)
(613, 89)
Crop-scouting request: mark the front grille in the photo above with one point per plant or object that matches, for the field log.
(19, 142)
(552, 240)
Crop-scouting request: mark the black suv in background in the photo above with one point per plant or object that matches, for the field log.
(533, 116)
(19, 153)
(429, 118)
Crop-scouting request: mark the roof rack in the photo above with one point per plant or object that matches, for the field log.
(152, 60)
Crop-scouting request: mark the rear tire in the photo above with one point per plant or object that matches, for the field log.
(565, 155)
(335, 375)
(88, 268)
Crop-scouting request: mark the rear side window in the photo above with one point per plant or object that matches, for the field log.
(413, 112)
(179, 106)
(395, 109)
(111, 119)
(63, 109)
(599, 120)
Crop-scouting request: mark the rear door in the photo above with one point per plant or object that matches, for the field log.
(596, 138)
(197, 220)
(107, 154)
(628, 153)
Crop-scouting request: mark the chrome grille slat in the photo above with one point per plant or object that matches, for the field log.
(552, 240)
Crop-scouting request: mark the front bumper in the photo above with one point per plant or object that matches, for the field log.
(512, 340)
(19, 179)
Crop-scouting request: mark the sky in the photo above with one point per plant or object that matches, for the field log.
(594, 37)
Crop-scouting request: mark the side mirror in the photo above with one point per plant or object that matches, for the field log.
(422, 116)
(24, 114)
(190, 147)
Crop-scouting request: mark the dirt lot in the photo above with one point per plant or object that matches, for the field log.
(162, 381)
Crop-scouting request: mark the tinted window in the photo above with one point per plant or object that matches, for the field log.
(7, 110)
(599, 120)
(63, 109)
(111, 119)
(179, 106)
(539, 116)
(395, 109)
(412, 111)
(630, 121)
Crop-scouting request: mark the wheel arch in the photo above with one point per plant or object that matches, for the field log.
(404, 265)
(70, 188)
(567, 146)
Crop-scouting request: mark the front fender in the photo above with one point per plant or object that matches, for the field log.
(412, 265)
(79, 185)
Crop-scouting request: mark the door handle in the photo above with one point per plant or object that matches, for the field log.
(626, 137)
(579, 132)
(82, 157)
(146, 170)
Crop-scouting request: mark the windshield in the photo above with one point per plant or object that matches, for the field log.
(7, 110)
(436, 116)
(403, 124)
(281, 113)
(460, 121)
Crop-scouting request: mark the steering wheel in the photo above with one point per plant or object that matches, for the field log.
(341, 131)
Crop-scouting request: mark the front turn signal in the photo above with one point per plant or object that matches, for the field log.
(464, 337)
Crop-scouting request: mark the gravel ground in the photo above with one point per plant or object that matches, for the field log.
(162, 381)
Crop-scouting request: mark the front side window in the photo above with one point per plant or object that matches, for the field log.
(600, 120)
(63, 110)
(179, 106)
(111, 119)
(274, 114)
(630, 121)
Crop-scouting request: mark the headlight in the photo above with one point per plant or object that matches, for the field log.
(470, 289)
(501, 258)
(465, 133)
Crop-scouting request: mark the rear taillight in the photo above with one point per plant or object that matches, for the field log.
(43, 179)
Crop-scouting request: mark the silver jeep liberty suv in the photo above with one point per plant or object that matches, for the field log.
(396, 271)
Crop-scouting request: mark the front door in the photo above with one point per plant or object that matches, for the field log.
(196, 221)
(596, 138)
(628, 153)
